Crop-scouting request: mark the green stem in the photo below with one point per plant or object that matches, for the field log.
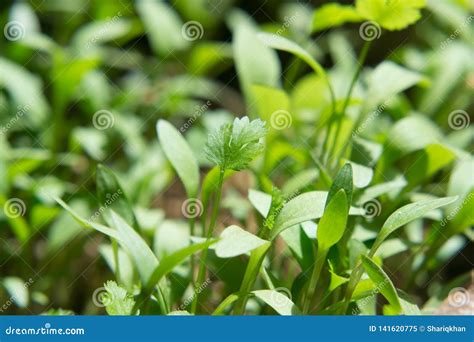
(313, 281)
(253, 268)
(210, 230)
(360, 62)
(192, 224)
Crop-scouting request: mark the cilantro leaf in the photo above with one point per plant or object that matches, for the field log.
(234, 146)
(391, 14)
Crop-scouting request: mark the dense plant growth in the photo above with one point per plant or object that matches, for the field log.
(313, 159)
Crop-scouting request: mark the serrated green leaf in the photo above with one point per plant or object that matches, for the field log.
(234, 146)
(332, 15)
(333, 222)
(117, 300)
(391, 14)
(382, 282)
(180, 155)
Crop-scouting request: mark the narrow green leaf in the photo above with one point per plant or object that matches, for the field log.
(333, 222)
(144, 259)
(280, 43)
(88, 223)
(278, 301)
(180, 155)
(18, 290)
(112, 196)
(255, 62)
(261, 201)
(236, 241)
(343, 180)
(162, 25)
(305, 207)
(407, 214)
(382, 282)
(171, 261)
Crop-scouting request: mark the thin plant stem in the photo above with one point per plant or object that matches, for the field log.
(313, 281)
(360, 62)
(210, 230)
